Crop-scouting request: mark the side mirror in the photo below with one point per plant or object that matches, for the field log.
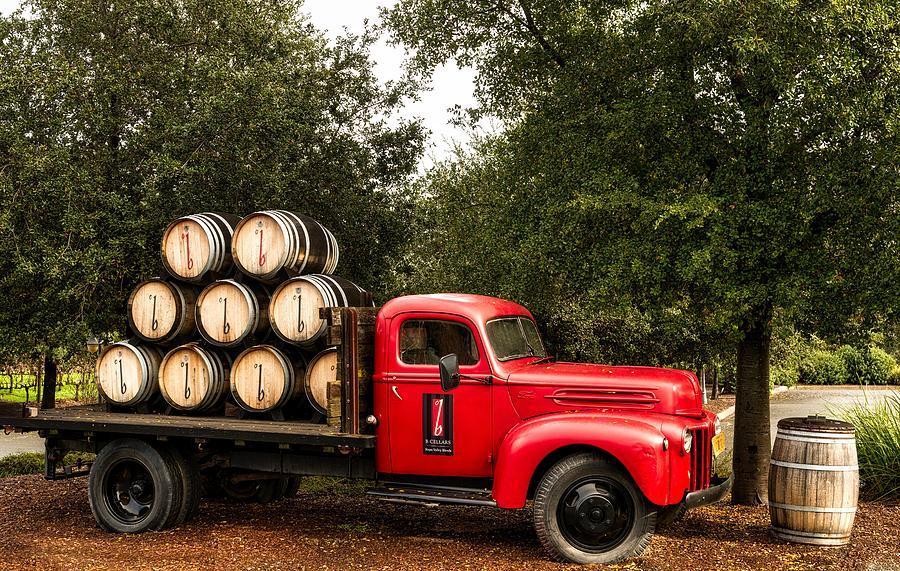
(449, 366)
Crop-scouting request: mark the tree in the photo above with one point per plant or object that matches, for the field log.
(117, 117)
(702, 165)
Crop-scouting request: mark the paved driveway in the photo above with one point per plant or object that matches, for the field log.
(17, 443)
(805, 401)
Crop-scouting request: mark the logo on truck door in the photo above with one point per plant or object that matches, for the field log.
(437, 424)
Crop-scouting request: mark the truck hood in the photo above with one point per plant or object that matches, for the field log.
(556, 387)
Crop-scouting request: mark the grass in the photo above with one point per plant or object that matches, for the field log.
(877, 444)
(330, 485)
(64, 391)
(33, 463)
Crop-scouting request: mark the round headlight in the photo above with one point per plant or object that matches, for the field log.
(688, 441)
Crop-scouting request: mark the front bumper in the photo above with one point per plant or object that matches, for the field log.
(710, 495)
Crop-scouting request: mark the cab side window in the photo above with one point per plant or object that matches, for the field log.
(425, 341)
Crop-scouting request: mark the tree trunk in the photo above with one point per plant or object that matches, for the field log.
(48, 399)
(715, 382)
(751, 422)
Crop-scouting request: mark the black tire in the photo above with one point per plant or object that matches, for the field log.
(188, 476)
(669, 515)
(293, 487)
(272, 491)
(211, 484)
(588, 510)
(239, 491)
(132, 487)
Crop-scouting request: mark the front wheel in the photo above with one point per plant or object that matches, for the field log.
(588, 510)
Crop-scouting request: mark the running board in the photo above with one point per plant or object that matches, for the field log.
(421, 494)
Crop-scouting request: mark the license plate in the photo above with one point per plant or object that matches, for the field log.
(718, 443)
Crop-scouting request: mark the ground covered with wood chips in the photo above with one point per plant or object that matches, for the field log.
(48, 525)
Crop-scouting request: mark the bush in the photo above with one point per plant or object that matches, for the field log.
(786, 376)
(877, 443)
(33, 463)
(21, 464)
(870, 366)
(880, 366)
(820, 367)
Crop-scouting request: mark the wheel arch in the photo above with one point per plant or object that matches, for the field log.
(555, 456)
(534, 446)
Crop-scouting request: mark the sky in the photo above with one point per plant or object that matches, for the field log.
(450, 85)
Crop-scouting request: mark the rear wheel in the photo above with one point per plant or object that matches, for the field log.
(247, 486)
(132, 487)
(588, 510)
(272, 491)
(187, 475)
(293, 487)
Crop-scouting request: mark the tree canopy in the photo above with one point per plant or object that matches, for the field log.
(117, 117)
(673, 175)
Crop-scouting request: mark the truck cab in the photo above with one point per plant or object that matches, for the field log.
(464, 391)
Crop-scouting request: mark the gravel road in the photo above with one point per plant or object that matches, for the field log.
(48, 525)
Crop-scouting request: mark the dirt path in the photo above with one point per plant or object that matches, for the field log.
(48, 525)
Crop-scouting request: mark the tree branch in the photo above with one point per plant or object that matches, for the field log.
(533, 29)
(539, 35)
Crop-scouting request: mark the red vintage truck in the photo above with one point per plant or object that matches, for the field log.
(446, 399)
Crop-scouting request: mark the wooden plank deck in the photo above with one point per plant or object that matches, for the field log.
(87, 419)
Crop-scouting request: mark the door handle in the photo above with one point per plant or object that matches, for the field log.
(397, 394)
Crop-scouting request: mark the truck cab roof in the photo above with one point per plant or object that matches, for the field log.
(479, 308)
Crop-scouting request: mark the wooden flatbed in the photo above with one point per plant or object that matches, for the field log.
(96, 420)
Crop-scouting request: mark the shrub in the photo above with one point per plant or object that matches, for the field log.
(880, 366)
(820, 367)
(21, 464)
(787, 376)
(877, 442)
(870, 366)
(33, 463)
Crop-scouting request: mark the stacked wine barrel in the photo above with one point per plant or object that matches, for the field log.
(234, 320)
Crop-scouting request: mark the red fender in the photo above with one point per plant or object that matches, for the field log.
(637, 445)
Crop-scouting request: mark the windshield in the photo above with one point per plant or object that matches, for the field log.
(514, 338)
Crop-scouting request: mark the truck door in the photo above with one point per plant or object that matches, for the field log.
(432, 432)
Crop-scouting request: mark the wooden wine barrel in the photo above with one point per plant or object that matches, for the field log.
(230, 313)
(813, 481)
(160, 311)
(194, 378)
(322, 369)
(271, 243)
(127, 373)
(295, 305)
(198, 247)
(264, 378)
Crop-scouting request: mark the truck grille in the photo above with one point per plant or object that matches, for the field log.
(701, 458)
